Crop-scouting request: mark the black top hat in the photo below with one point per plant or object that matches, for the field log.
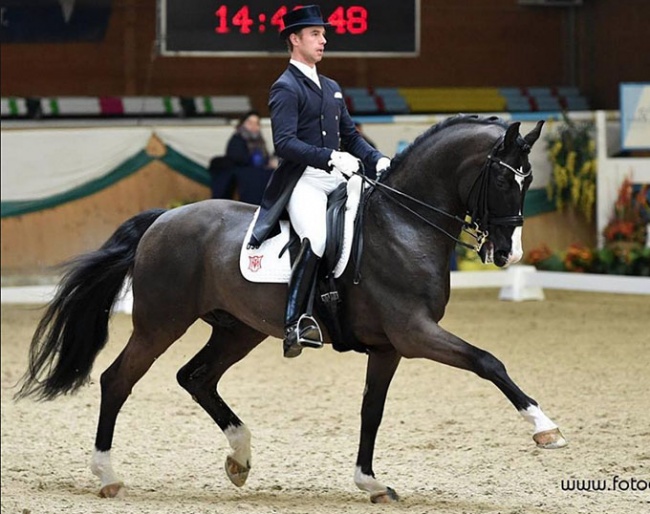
(307, 16)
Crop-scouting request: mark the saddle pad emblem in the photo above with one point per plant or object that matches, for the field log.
(255, 262)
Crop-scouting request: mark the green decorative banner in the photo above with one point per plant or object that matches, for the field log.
(537, 201)
(128, 167)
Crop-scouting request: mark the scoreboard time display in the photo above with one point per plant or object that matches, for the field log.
(369, 28)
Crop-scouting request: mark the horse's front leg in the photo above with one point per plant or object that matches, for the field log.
(382, 363)
(425, 338)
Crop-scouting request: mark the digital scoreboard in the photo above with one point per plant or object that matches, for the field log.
(369, 28)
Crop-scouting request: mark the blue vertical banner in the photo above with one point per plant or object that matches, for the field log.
(635, 116)
(53, 21)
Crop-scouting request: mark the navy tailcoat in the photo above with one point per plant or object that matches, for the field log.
(308, 122)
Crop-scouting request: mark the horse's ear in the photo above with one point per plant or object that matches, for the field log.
(533, 135)
(511, 135)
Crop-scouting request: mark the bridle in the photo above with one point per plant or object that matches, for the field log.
(478, 195)
(478, 210)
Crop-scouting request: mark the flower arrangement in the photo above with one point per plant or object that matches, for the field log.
(634, 260)
(544, 259)
(631, 215)
(626, 250)
(572, 151)
(578, 258)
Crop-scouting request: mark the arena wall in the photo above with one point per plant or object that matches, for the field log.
(35, 242)
(32, 244)
(463, 43)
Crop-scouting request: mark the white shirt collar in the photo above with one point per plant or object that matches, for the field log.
(311, 73)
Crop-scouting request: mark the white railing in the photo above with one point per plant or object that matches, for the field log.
(517, 283)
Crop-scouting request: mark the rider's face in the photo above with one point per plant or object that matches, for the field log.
(309, 45)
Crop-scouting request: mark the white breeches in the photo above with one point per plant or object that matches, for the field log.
(307, 206)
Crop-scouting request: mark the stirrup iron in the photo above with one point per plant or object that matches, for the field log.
(308, 332)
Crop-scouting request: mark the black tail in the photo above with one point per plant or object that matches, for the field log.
(74, 328)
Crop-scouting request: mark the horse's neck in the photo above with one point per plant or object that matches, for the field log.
(440, 176)
(398, 233)
(436, 183)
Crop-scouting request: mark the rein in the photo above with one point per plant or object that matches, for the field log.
(470, 228)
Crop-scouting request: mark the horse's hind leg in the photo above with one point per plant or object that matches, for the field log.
(230, 342)
(116, 385)
(433, 342)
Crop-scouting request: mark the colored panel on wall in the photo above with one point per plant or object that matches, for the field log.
(53, 21)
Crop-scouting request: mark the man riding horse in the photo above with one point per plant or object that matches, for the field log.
(309, 120)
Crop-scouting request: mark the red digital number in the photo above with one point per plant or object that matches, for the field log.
(357, 17)
(353, 20)
(222, 15)
(338, 21)
(243, 20)
(276, 19)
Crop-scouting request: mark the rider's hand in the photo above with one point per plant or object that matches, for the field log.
(344, 162)
(382, 165)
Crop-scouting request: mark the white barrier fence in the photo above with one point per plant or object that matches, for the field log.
(517, 283)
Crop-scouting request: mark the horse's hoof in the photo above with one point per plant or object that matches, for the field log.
(550, 439)
(387, 496)
(236, 472)
(115, 490)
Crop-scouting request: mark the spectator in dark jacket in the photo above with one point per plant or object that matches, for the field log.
(245, 169)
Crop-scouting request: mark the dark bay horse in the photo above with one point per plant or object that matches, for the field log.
(184, 265)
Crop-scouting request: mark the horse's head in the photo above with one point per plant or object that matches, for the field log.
(505, 180)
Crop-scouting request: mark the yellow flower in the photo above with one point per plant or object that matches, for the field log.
(572, 151)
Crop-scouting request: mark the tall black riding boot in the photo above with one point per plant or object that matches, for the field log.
(301, 330)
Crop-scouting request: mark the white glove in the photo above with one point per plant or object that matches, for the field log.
(382, 165)
(345, 162)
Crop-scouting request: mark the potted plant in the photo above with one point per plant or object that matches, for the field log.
(572, 151)
(627, 228)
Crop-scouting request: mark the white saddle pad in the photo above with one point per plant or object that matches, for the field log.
(264, 264)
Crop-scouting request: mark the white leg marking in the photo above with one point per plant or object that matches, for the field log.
(368, 483)
(239, 438)
(100, 465)
(534, 415)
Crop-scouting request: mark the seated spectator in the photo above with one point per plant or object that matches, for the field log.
(247, 166)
